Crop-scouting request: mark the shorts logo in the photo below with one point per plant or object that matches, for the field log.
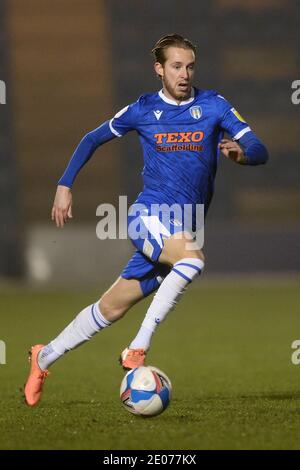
(148, 248)
(196, 112)
(176, 222)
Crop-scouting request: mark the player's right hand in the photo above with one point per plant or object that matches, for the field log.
(62, 206)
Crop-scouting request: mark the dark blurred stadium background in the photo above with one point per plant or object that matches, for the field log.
(69, 65)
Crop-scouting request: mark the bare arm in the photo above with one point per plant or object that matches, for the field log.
(233, 151)
(62, 206)
(249, 151)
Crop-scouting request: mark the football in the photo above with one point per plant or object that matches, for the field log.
(146, 391)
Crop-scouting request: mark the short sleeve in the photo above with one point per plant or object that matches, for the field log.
(230, 120)
(125, 120)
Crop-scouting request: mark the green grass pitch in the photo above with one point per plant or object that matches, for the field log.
(226, 348)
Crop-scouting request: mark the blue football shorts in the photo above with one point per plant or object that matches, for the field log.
(147, 230)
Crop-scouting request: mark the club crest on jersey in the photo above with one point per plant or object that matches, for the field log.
(196, 112)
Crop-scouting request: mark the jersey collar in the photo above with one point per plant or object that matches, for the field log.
(173, 102)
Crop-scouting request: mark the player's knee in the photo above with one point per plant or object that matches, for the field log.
(110, 310)
(176, 249)
(185, 253)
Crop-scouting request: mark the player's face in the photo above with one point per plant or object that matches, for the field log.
(177, 72)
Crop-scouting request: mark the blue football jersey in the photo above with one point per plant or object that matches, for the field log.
(180, 143)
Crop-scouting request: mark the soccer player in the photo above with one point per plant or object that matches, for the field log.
(181, 132)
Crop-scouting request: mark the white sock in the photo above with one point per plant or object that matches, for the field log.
(166, 298)
(87, 323)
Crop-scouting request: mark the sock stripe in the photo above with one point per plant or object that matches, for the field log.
(95, 320)
(190, 266)
(182, 275)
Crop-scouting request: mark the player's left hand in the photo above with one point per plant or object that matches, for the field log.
(232, 150)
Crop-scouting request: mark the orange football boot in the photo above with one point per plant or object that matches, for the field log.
(34, 385)
(132, 358)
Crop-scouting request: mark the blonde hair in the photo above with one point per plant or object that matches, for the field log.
(169, 40)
